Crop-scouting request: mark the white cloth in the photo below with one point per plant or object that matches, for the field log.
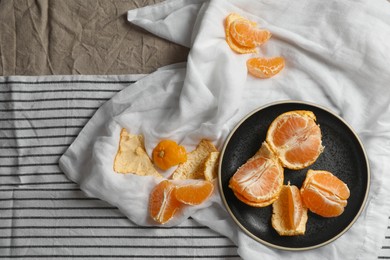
(335, 56)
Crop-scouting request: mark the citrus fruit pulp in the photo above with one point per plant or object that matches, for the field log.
(194, 192)
(324, 194)
(162, 202)
(258, 181)
(295, 138)
(261, 67)
(289, 215)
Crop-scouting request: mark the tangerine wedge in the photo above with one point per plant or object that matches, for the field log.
(245, 33)
(258, 181)
(289, 215)
(324, 194)
(194, 192)
(265, 67)
(295, 138)
(233, 44)
(163, 203)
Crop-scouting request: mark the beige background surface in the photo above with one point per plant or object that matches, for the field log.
(56, 37)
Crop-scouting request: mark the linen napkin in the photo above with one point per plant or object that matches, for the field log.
(335, 57)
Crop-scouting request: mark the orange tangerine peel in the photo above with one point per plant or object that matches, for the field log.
(168, 153)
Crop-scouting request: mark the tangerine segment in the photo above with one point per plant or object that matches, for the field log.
(260, 179)
(289, 215)
(254, 203)
(163, 203)
(295, 206)
(245, 33)
(296, 139)
(168, 153)
(194, 192)
(235, 46)
(324, 194)
(265, 67)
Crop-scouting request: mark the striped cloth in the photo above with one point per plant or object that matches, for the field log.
(385, 249)
(42, 213)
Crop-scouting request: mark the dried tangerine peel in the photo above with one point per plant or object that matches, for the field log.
(235, 46)
(210, 166)
(193, 168)
(295, 138)
(163, 204)
(258, 181)
(324, 194)
(131, 156)
(265, 67)
(289, 215)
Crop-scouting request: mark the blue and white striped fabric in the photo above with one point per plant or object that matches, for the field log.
(44, 215)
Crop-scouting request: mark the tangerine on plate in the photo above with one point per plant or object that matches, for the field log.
(235, 46)
(258, 181)
(265, 67)
(295, 138)
(324, 194)
(168, 153)
(245, 33)
(289, 215)
(162, 202)
(194, 192)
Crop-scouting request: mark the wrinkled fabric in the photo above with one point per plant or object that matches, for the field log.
(335, 57)
(79, 37)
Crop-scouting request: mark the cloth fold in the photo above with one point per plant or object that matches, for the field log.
(171, 20)
(335, 57)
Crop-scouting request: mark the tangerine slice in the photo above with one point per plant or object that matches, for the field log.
(265, 67)
(235, 46)
(246, 34)
(295, 138)
(295, 206)
(194, 192)
(324, 194)
(254, 203)
(289, 215)
(259, 180)
(163, 203)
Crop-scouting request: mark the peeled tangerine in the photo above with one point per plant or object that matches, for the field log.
(258, 181)
(167, 199)
(295, 138)
(289, 215)
(324, 194)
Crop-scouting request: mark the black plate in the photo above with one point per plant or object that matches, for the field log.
(343, 155)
